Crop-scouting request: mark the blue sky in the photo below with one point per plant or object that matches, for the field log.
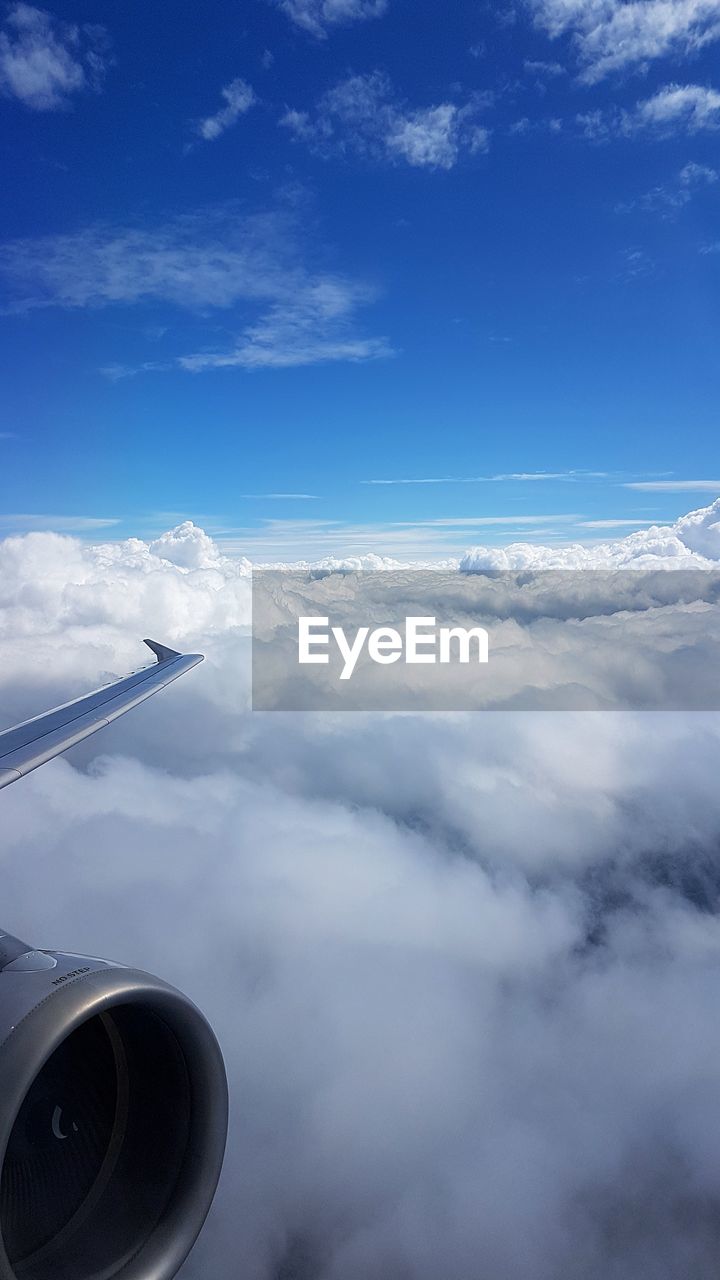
(257, 256)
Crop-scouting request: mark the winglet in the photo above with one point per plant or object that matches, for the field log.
(161, 651)
(26, 746)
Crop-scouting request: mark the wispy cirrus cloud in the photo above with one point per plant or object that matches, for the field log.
(285, 312)
(313, 539)
(675, 486)
(44, 61)
(239, 97)
(509, 475)
(209, 258)
(614, 35)
(669, 198)
(317, 16)
(313, 326)
(364, 115)
(58, 524)
(614, 524)
(470, 522)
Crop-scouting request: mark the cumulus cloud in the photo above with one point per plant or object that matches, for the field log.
(693, 542)
(464, 969)
(316, 16)
(611, 35)
(210, 259)
(180, 576)
(362, 114)
(239, 96)
(44, 61)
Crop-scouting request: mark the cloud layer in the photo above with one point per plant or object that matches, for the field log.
(693, 542)
(464, 970)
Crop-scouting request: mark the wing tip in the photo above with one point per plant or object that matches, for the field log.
(161, 651)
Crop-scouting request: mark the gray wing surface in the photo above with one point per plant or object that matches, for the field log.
(30, 744)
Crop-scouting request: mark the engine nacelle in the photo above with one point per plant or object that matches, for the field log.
(113, 1120)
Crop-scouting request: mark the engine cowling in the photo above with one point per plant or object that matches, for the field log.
(113, 1121)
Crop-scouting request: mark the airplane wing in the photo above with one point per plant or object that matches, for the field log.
(31, 743)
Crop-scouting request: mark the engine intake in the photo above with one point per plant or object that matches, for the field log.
(113, 1119)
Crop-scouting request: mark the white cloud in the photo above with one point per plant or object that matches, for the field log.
(425, 138)
(316, 16)
(579, 640)
(44, 61)
(239, 97)
(675, 486)
(59, 524)
(361, 546)
(363, 114)
(668, 199)
(537, 67)
(674, 109)
(212, 259)
(470, 521)
(693, 174)
(692, 542)
(190, 548)
(688, 107)
(464, 968)
(636, 265)
(541, 124)
(311, 327)
(611, 35)
(613, 523)
(599, 126)
(503, 476)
